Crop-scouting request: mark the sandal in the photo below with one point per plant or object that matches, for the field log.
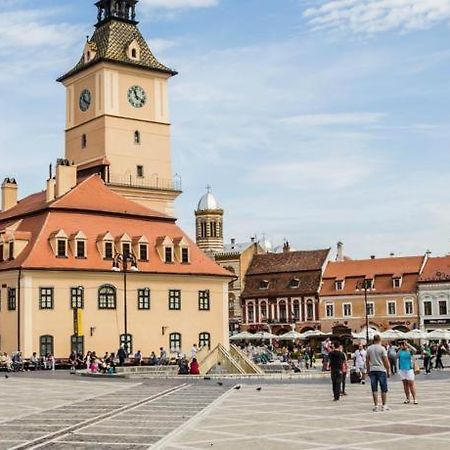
(415, 402)
(406, 402)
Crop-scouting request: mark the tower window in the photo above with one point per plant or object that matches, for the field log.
(134, 53)
(140, 171)
(137, 137)
(83, 141)
(88, 56)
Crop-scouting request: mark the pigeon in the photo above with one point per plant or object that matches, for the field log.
(206, 378)
(6, 376)
(237, 387)
(220, 383)
(259, 388)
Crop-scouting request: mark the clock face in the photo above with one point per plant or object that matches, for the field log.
(137, 96)
(85, 100)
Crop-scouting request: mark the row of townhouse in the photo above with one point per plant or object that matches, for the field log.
(303, 290)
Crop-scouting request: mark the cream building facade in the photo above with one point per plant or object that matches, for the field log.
(63, 284)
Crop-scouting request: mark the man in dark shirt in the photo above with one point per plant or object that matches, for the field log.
(336, 361)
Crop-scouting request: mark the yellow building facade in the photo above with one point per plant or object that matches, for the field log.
(96, 260)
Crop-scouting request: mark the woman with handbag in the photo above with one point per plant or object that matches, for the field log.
(407, 371)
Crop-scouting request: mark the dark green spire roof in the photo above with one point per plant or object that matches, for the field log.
(110, 42)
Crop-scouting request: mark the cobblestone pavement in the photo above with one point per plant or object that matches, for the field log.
(303, 416)
(62, 412)
(67, 414)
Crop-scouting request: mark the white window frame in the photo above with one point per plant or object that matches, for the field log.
(373, 309)
(343, 310)
(412, 307)
(430, 301)
(339, 283)
(388, 313)
(326, 310)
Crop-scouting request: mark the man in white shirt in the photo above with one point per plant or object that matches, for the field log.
(360, 362)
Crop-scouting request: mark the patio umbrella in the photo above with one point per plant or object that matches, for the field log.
(291, 335)
(392, 335)
(439, 335)
(363, 334)
(262, 335)
(241, 336)
(313, 333)
(416, 334)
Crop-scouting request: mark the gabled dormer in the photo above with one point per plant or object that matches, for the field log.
(123, 243)
(165, 249)
(89, 52)
(182, 250)
(397, 281)
(105, 245)
(13, 242)
(59, 243)
(134, 51)
(78, 245)
(141, 248)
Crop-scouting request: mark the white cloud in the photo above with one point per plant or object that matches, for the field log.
(179, 4)
(363, 118)
(374, 16)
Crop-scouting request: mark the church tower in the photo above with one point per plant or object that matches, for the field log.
(117, 115)
(209, 224)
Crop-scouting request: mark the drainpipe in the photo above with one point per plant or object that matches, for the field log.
(19, 279)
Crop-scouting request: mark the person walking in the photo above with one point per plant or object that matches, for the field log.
(439, 354)
(392, 355)
(426, 353)
(406, 368)
(122, 355)
(378, 368)
(360, 362)
(336, 360)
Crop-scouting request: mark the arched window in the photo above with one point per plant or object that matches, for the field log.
(296, 310)
(283, 315)
(204, 340)
(46, 345)
(175, 342)
(83, 141)
(309, 311)
(263, 310)
(107, 297)
(137, 137)
(251, 313)
(204, 230)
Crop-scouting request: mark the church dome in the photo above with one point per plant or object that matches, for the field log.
(208, 202)
(266, 245)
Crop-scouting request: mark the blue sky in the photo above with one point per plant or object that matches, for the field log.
(314, 121)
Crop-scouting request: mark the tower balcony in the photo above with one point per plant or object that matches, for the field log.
(153, 183)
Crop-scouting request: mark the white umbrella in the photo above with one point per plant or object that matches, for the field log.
(392, 335)
(313, 333)
(363, 334)
(416, 334)
(262, 335)
(241, 336)
(291, 335)
(439, 335)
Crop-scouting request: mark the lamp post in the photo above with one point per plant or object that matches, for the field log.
(366, 285)
(125, 262)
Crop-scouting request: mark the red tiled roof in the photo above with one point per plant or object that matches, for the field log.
(288, 262)
(94, 209)
(436, 269)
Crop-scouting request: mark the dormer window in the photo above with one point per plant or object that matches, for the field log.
(108, 250)
(294, 283)
(168, 255)
(264, 284)
(126, 249)
(182, 250)
(61, 248)
(90, 50)
(397, 282)
(339, 285)
(185, 255)
(81, 249)
(78, 244)
(11, 250)
(134, 51)
(143, 252)
(369, 282)
(105, 245)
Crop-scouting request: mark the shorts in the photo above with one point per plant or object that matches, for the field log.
(407, 375)
(378, 377)
(361, 369)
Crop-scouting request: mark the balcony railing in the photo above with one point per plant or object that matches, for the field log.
(152, 182)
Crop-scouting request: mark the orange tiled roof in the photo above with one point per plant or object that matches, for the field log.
(382, 271)
(436, 269)
(94, 209)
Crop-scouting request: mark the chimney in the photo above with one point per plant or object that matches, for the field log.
(340, 251)
(253, 239)
(9, 193)
(286, 247)
(51, 185)
(66, 177)
(372, 256)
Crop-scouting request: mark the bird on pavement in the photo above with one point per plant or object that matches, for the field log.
(6, 376)
(237, 387)
(259, 388)
(220, 383)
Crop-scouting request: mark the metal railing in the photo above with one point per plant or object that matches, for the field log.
(152, 182)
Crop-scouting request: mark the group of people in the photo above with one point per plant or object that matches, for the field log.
(376, 362)
(16, 363)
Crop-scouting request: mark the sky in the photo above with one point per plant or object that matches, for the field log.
(313, 120)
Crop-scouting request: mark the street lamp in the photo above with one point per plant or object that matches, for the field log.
(125, 262)
(366, 284)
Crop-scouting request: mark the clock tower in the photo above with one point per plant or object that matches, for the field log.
(117, 115)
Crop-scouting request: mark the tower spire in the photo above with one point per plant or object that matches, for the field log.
(116, 9)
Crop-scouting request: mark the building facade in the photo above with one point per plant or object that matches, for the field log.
(434, 294)
(391, 287)
(94, 262)
(282, 291)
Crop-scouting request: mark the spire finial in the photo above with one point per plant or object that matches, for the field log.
(209, 188)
